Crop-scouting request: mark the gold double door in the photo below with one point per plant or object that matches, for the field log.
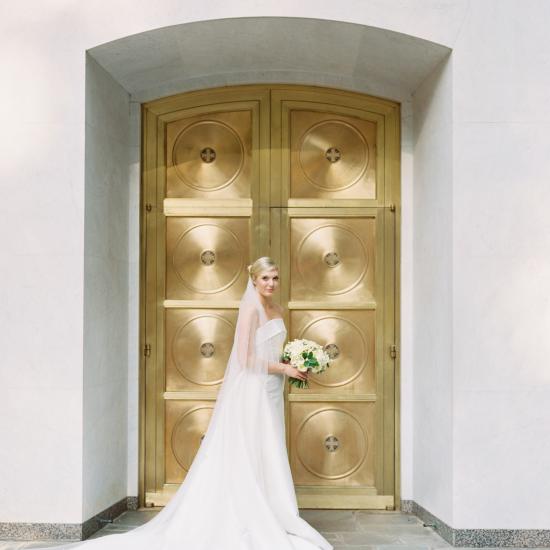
(310, 177)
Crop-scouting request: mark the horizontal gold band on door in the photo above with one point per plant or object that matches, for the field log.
(211, 395)
(308, 497)
(234, 304)
(198, 207)
(355, 498)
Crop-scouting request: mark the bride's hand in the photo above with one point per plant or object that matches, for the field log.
(293, 372)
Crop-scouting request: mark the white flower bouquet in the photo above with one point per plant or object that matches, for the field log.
(305, 355)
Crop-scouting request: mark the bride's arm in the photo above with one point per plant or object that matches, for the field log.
(276, 368)
(283, 368)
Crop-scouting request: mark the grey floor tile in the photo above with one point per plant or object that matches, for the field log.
(334, 515)
(431, 540)
(48, 543)
(365, 517)
(106, 531)
(135, 518)
(116, 528)
(373, 537)
(333, 538)
(403, 530)
(331, 521)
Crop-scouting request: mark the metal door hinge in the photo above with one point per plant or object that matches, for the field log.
(148, 207)
(393, 351)
(147, 350)
(392, 207)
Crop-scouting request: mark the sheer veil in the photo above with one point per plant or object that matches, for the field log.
(230, 451)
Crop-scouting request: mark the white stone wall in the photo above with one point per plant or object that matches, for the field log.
(134, 353)
(432, 318)
(41, 267)
(475, 257)
(501, 259)
(106, 292)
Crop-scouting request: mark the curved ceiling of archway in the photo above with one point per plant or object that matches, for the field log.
(221, 52)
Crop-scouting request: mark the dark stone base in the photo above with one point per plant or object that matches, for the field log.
(440, 527)
(133, 503)
(479, 538)
(92, 525)
(66, 531)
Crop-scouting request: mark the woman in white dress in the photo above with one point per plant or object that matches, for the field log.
(238, 493)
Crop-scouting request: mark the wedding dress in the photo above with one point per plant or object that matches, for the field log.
(238, 493)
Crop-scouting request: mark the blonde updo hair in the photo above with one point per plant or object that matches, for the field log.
(265, 263)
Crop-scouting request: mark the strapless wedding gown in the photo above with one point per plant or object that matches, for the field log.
(279, 487)
(237, 495)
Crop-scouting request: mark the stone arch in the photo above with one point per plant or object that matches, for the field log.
(222, 52)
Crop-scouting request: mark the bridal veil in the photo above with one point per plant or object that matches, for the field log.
(226, 501)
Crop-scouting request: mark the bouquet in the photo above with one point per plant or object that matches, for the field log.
(305, 355)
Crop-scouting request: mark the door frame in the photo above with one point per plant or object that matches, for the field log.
(150, 150)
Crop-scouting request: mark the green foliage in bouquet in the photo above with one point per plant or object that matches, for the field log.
(310, 363)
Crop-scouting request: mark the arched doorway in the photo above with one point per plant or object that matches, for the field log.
(201, 55)
(309, 176)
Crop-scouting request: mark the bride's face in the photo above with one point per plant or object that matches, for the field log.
(267, 282)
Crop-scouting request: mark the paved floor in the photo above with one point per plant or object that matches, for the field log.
(345, 529)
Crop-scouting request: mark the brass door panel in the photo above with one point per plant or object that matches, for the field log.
(206, 257)
(198, 344)
(333, 259)
(332, 156)
(332, 443)
(209, 155)
(309, 176)
(186, 423)
(349, 339)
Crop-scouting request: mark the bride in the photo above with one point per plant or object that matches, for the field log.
(238, 493)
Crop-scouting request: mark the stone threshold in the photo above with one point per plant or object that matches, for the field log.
(67, 531)
(479, 538)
